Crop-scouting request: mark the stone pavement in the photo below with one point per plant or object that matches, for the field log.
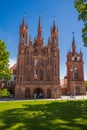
(84, 97)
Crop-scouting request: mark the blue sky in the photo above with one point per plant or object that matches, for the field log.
(66, 17)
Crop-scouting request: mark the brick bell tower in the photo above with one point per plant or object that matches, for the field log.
(55, 58)
(75, 71)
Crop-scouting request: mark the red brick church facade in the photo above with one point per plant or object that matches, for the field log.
(38, 66)
(38, 70)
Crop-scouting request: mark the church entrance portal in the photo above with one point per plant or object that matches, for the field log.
(38, 92)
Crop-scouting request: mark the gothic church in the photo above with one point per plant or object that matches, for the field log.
(38, 66)
(38, 70)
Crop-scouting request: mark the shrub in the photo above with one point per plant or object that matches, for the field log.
(4, 93)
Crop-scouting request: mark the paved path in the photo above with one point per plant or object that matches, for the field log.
(62, 98)
(74, 97)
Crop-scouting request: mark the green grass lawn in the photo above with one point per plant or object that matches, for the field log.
(43, 115)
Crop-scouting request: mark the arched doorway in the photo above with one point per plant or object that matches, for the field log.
(48, 93)
(39, 93)
(27, 93)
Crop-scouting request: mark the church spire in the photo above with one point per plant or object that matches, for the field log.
(54, 30)
(23, 32)
(54, 26)
(54, 34)
(73, 44)
(24, 22)
(39, 28)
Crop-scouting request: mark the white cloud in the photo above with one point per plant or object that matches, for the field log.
(12, 62)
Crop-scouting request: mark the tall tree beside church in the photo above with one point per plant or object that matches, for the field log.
(81, 6)
(86, 84)
(4, 62)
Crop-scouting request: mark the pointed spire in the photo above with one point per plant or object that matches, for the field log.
(55, 29)
(24, 22)
(54, 25)
(73, 44)
(73, 41)
(39, 26)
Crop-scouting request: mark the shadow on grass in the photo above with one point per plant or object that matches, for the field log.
(46, 115)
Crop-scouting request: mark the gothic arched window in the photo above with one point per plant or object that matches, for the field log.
(48, 75)
(49, 60)
(30, 60)
(76, 73)
(41, 74)
(22, 38)
(35, 52)
(35, 62)
(28, 78)
(42, 62)
(43, 52)
(35, 74)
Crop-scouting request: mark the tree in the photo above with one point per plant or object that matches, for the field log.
(4, 93)
(4, 62)
(86, 84)
(81, 6)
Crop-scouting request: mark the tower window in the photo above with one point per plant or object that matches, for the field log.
(75, 58)
(22, 38)
(14, 77)
(76, 74)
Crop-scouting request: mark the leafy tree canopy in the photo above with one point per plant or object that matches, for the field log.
(4, 93)
(4, 60)
(81, 6)
(86, 84)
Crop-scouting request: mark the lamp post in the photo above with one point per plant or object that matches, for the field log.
(73, 69)
(55, 93)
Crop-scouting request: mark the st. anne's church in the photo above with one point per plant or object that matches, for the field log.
(38, 66)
